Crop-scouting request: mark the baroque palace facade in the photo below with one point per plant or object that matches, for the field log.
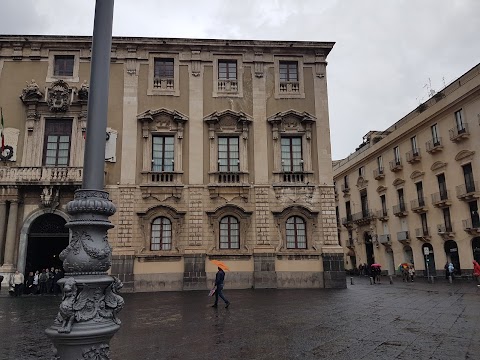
(216, 149)
(410, 193)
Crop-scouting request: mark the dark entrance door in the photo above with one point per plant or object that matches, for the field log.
(451, 250)
(429, 260)
(47, 237)
(369, 248)
(476, 249)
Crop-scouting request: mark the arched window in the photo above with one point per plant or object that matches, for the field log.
(161, 234)
(296, 233)
(229, 233)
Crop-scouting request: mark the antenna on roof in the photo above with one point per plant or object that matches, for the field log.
(430, 91)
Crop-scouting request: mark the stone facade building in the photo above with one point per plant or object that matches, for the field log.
(216, 149)
(410, 193)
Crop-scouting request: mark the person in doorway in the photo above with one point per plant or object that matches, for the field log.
(446, 271)
(411, 273)
(18, 280)
(35, 282)
(219, 282)
(43, 282)
(476, 272)
(451, 270)
(29, 283)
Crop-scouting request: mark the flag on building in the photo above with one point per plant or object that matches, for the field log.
(2, 130)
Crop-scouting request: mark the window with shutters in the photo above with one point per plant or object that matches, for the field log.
(163, 74)
(57, 140)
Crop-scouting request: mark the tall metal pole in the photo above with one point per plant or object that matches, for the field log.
(87, 318)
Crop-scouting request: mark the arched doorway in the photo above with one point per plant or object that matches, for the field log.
(451, 250)
(390, 261)
(408, 254)
(369, 247)
(47, 237)
(429, 260)
(476, 249)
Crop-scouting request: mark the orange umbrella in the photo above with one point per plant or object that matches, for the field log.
(220, 264)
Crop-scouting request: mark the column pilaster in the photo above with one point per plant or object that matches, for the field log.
(11, 236)
(3, 220)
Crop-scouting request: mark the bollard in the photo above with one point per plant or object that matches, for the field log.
(351, 280)
(450, 279)
(371, 280)
(391, 279)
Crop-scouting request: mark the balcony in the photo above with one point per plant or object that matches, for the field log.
(471, 227)
(363, 217)
(435, 145)
(414, 156)
(385, 239)
(163, 83)
(382, 215)
(457, 135)
(161, 178)
(227, 86)
(423, 234)
(44, 175)
(345, 188)
(230, 184)
(347, 221)
(400, 210)
(419, 205)
(350, 243)
(396, 165)
(403, 237)
(469, 191)
(445, 231)
(286, 178)
(441, 199)
(379, 174)
(289, 87)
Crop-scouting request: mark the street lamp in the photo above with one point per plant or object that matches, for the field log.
(87, 318)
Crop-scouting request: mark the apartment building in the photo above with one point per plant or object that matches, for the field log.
(410, 193)
(216, 149)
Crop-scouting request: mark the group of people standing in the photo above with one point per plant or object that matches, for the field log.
(36, 283)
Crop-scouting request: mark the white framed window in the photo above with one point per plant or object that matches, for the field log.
(289, 82)
(227, 76)
(228, 154)
(163, 74)
(460, 124)
(296, 233)
(292, 160)
(435, 135)
(161, 237)
(63, 65)
(163, 153)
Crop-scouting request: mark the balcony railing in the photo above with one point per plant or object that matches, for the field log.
(384, 239)
(419, 205)
(161, 177)
(396, 165)
(413, 156)
(379, 173)
(41, 175)
(382, 215)
(403, 236)
(293, 177)
(457, 135)
(345, 188)
(164, 83)
(471, 226)
(362, 217)
(400, 210)
(468, 191)
(434, 145)
(227, 86)
(445, 231)
(347, 221)
(423, 232)
(289, 87)
(441, 199)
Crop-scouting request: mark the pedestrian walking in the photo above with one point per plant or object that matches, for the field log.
(476, 272)
(18, 280)
(43, 282)
(411, 273)
(35, 282)
(451, 270)
(29, 283)
(219, 282)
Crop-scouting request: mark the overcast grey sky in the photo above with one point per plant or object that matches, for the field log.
(386, 50)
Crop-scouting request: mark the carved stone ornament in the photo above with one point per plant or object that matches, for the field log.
(291, 121)
(83, 91)
(50, 197)
(31, 93)
(228, 121)
(58, 96)
(162, 119)
(100, 353)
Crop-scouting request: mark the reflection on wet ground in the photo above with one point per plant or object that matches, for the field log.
(400, 321)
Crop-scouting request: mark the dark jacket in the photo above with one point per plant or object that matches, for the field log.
(220, 278)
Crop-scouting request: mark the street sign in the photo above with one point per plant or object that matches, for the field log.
(426, 251)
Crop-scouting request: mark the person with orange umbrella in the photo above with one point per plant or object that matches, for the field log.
(219, 282)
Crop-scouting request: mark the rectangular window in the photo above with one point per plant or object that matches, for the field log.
(423, 217)
(421, 200)
(292, 154)
(345, 181)
(442, 186)
(401, 199)
(227, 69)
(63, 65)
(380, 163)
(163, 153)
(163, 74)
(413, 141)
(447, 219)
(361, 171)
(468, 176)
(228, 154)
(288, 71)
(384, 205)
(435, 135)
(364, 202)
(57, 142)
(473, 206)
(348, 210)
(459, 121)
(396, 154)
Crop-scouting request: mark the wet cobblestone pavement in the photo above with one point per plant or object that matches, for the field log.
(400, 321)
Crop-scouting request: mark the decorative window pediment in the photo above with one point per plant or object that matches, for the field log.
(288, 124)
(163, 124)
(438, 165)
(381, 189)
(398, 182)
(362, 182)
(228, 133)
(416, 174)
(465, 155)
